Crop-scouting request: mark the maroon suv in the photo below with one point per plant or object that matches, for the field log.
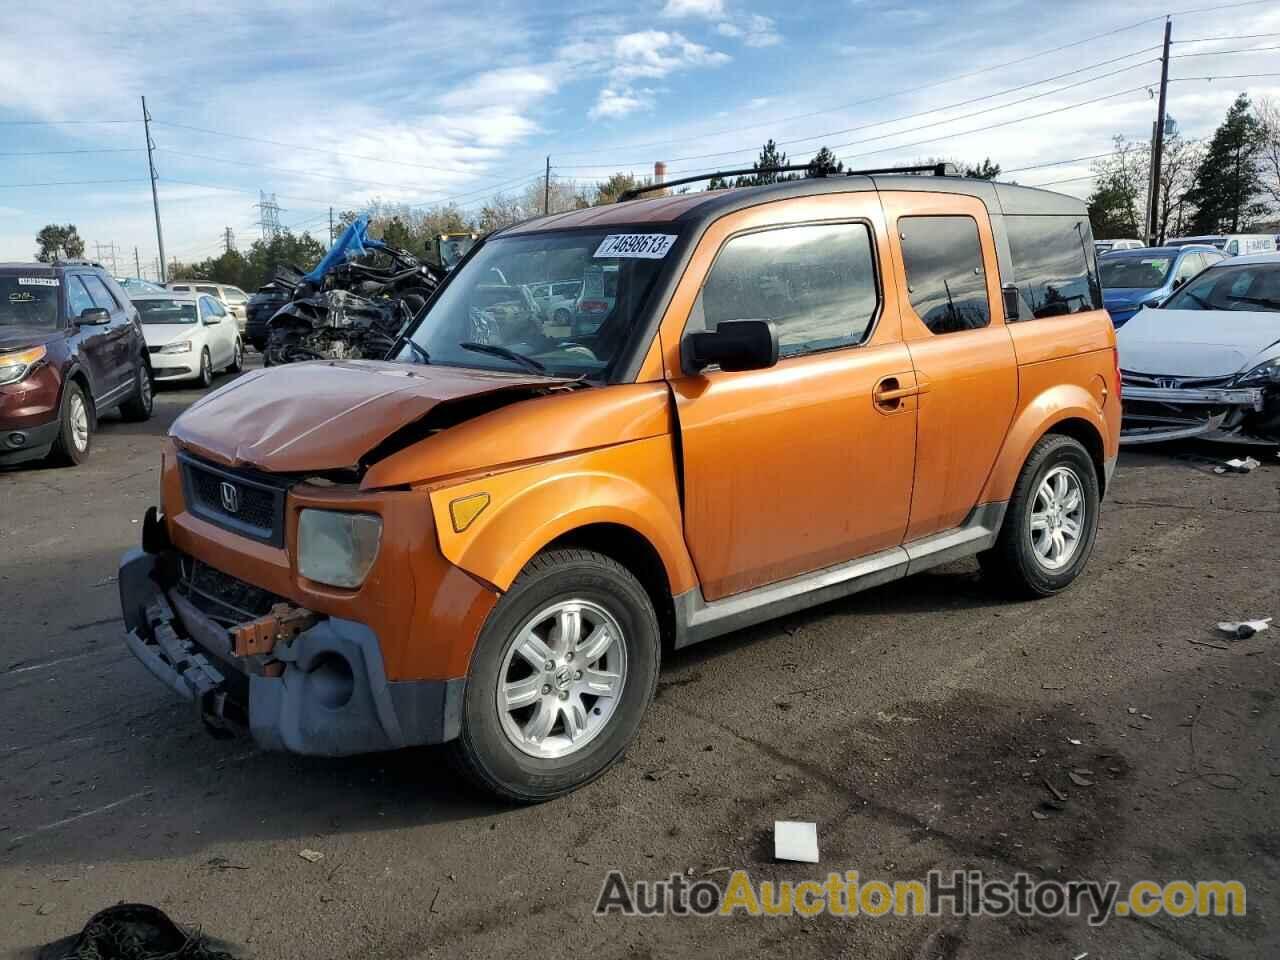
(71, 348)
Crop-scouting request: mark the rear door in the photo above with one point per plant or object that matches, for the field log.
(807, 464)
(944, 258)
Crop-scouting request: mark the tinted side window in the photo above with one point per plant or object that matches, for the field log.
(211, 291)
(816, 283)
(1053, 265)
(946, 282)
(98, 291)
(78, 299)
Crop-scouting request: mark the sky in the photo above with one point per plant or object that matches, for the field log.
(339, 104)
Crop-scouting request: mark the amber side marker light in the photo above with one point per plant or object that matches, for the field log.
(464, 510)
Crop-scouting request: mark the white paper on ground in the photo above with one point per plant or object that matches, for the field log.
(795, 840)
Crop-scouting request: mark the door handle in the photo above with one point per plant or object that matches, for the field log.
(886, 395)
(889, 393)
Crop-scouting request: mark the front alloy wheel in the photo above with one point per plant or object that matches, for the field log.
(561, 678)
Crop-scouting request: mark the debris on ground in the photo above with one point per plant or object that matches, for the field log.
(45, 909)
(1058, 794)
(1079, 779)
(1208, 643)
(795, 840)
(311, 856)
(1244, 629)
(134, 931)
(1247, 465)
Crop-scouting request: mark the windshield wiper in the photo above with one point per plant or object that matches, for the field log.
(1260, 301)
(1198, 299)
(492, 348)
(418, 351)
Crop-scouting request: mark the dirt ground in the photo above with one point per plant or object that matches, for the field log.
(914, 724)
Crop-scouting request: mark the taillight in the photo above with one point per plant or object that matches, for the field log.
(593, 306)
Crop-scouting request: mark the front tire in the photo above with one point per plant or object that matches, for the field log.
(205, 377)
(1051, 524)
(561, 676)
(74, 438)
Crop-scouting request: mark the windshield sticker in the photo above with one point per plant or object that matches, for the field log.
(22, 296)
(633, 246)
(37, 281)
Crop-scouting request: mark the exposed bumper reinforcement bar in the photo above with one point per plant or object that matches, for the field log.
(1250, 397)
(332, 697)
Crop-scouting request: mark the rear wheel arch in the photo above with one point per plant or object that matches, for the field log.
(1090, 438)
(1067, 409)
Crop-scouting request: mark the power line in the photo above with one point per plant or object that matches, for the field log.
(1228, 76)
(55, 153)
(1223, 53)
(1233, 36)
(935, 123)
(286, 170)
(69, 183)
(57, 123)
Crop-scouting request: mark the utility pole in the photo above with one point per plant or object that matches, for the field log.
(1157, 153)
(155, 197)
(546, 189)
(331, 226)
(137, 264)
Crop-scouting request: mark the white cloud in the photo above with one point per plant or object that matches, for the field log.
(679, 9)
(612, 103)
(754, 30)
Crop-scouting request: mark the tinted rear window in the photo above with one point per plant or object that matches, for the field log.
(945, 278)
(1054, 265)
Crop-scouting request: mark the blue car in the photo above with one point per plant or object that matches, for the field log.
(1132, 279)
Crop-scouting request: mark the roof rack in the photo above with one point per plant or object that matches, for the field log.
(930, 169)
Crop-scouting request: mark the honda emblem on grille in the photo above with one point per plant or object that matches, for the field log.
(230, 497)
(1167, 383)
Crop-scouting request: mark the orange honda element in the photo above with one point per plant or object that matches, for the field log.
(798, 391)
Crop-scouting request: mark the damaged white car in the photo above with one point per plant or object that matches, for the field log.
(1206, 362)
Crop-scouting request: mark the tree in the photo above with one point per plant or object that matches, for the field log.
(1117, 205)
(770, 157)
(1181, 159)
(823, 164)
(609, 190)
(718, 183)
(1228, 181)
(1268, 112)
(986, 170)
(59, 243)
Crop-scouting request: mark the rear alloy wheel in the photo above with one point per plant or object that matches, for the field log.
(562, 317)
(142, 403)
(206, 368)
(560, 678)
(72, 445)
(237, 358)
(1051, 523)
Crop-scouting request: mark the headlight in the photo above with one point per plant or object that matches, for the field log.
(1263, 373)
(15, 366)
(337, 548)
(181, 346)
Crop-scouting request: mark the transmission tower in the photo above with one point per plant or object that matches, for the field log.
(107, 251)
(229, 240)
(269, 215)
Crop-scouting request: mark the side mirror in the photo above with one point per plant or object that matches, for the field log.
(1010, 291)
(734, 345)
(210, 320)
(1178, 281)
(95, 316)
(1154, 303)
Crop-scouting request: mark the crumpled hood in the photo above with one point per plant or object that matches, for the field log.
(1196, 343)
(327, 414)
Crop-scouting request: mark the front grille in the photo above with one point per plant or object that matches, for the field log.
(1189, 383)
(248, 504)
(220, 596)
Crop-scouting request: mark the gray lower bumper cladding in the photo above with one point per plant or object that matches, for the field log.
(332, 698)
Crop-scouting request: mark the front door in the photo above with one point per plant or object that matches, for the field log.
(809, 463)
(97, 348)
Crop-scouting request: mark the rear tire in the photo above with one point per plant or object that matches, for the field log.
(138, 407)
(237, 358)
(617, 646)
(75, 436)
(1052, 521)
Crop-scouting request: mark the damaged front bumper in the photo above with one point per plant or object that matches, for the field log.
(1158, 414)
(324, 692)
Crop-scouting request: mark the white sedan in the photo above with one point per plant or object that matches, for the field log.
(188, 336)
(1206, 362)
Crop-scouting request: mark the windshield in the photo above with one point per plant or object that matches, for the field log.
(1144, 272)
(28, 300)
(1246, 286)
(137, 285)
(166, 311)
(489, 316)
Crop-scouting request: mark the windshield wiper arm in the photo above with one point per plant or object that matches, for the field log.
(1260, 301)
(527, 362)
(418, 351)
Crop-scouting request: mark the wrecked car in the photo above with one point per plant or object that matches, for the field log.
(348, 307)
(1206, 362)
(798, 391)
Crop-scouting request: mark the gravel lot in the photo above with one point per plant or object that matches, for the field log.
(914, 723)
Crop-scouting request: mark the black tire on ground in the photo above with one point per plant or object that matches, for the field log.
(205, 378)
(483, 750)
(562, 317)
(68, 449)
(1013, 566)
(138, 407)
(237, 358)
